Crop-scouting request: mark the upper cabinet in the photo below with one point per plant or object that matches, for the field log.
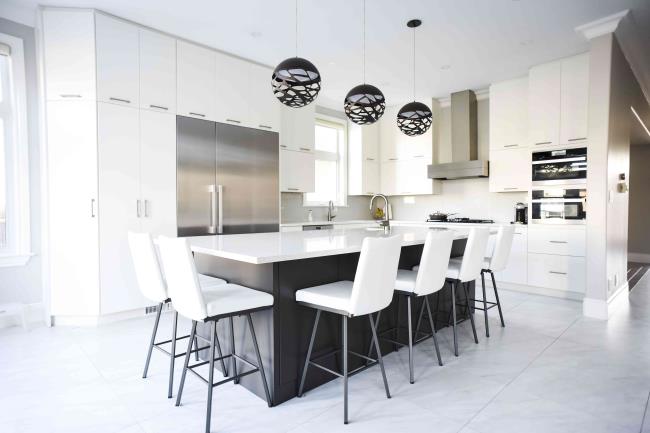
(264, 106)
(196, 81)
(363, 164)
(509, 114)
(298, 128)
(574, 101)
(157, 72)
(118, 74)
(69, 50)
(544, 89)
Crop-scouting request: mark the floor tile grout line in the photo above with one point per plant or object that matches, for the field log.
(645, 414)
(466, 424)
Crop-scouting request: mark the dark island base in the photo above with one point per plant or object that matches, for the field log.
(283, 332)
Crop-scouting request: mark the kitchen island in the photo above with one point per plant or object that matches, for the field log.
(282, 263)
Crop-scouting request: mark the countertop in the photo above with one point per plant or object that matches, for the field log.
(325, 222)
(259, 248)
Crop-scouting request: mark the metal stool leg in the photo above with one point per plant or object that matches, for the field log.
(410, 330)
(373, 327)
(187, 362)
(196, 346)
(433, 331)
(417, 326)
(311, 346)
(469, 312)
(345, 369)
(397, 322)
(172, 358)
(260, 366)
(153, 340)
(453, 313)
(485, 309)
(213, 343)
(223, 364)
(372, 342)
(496, 295)
(233, 360)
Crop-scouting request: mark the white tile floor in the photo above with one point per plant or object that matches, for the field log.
(549, 370)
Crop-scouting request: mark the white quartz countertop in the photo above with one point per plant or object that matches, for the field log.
(325, 222)
(259, 248)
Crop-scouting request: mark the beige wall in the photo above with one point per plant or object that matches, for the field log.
(639, 218)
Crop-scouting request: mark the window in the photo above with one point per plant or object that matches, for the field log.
(330, 152)
(14, 180)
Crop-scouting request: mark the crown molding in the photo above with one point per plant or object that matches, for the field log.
(601, 26)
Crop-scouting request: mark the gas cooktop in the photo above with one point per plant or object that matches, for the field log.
(463, 221)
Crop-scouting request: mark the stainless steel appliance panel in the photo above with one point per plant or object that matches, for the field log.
(561, 166)
(195, 176)
(247, 180)
(559, 205)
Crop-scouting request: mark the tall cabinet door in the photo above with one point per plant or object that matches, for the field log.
(118, 75)
(119, 205)
(73, 222)
(158, 172)
(544, 88)
(575, 99)
(196, 81)
(157, 71)
(232, 90)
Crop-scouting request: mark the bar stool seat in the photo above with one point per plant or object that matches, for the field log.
(207, 281)
(335, 296)
(405, 281)
(453, 271)
(227, 298)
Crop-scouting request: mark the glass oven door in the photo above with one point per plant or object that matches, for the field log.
(559, 211)
(560, 166)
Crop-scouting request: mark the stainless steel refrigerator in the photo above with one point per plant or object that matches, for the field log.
(226, 178)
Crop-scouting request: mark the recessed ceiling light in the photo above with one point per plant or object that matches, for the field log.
(445, 67)
(526, 43)
(256, 34)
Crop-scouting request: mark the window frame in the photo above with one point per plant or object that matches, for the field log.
(18, 247)
(342, 187)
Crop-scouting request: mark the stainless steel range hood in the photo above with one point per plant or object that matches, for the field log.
(464, 142)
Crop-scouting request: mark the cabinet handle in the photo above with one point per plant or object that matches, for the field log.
(392, 159)
(370, 159)
(92, 208)
(418, 156)
(69, 95)
(510, 189)
(284, 146)
(146, 208)
(557, 273)
(265, 126)
(126, 101)
(558, 242)
(293, 189)
(511, 145)
(543, 142)
(233, 121)
(137, 208)
(306, 149)
(577, 139)
(197, 114)
(159, 107)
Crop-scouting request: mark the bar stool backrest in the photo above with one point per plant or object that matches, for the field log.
(474, 254)
(434, 262)
(182, 278)
(502, 247)
(374, 281)
(147, 268)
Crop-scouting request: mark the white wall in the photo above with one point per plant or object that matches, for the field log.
(639, 218)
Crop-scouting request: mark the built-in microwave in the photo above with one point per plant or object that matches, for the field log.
(559, 205)
(561, 166)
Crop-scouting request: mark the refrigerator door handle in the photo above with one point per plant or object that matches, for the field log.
(220, 206)
(213, 208)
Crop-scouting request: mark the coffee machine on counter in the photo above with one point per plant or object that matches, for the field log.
(521, 213)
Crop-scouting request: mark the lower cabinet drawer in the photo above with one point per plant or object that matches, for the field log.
(557, 240)
(557, 272)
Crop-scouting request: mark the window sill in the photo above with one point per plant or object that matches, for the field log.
(14, 260)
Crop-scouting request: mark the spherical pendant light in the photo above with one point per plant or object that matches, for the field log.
(414, 118)
(296, 82)
(364, 104)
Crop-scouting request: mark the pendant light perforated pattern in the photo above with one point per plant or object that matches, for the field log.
(414, 118)
(364, 104)
(296, 82)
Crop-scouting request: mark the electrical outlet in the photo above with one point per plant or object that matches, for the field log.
(150, 309)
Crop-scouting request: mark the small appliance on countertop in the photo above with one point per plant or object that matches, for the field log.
(521, 213)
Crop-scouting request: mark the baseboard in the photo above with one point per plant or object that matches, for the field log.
(533, 290)
(603, 310)
(638, 257)
(90, 321)
(34, 314)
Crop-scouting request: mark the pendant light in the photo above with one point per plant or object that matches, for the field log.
(415, 117)
(296, 81)
(364, 104)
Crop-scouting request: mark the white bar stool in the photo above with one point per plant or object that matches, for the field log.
(224, 301)
(495, 263)
(371, 291)
(463, 271)
(429, 278)
(152, 286)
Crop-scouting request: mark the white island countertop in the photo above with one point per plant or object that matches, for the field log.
(259, 248)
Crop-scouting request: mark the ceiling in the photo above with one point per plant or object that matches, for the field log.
(461, 43)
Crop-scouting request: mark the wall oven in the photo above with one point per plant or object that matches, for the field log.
(560, 205)
(562, 166)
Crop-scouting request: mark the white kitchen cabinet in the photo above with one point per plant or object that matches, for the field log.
(157, 72)
(389, 177)
(232, 81)
(516, 271)
(120, 207)
(297, 171)
(557, 240)
(563, 273)
(158, 173)
(510, 170)
(298, 128)
(196, 81)
(118, 74)
(72, 215)
(574, 101)
(395, 145)
(544, 93)
(264, 107)
(509, 114)
(69, 53)
(363, 166)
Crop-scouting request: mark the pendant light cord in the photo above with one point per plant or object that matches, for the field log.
(364, 41)
(413, 63)
(296, 28)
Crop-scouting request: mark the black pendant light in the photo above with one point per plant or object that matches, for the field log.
(296, 81)
(414, 118)
(365, 103)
